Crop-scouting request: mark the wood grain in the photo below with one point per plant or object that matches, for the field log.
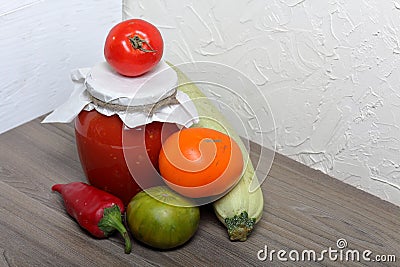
(304, 210)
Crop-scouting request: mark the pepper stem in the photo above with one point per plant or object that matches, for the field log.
(137, 43)
(240, 226)
(111, 221)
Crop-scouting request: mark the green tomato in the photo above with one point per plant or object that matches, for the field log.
(161, 218)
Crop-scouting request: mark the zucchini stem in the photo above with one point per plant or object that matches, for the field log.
(240, 226)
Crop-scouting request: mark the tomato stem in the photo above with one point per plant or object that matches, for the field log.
(137, 43)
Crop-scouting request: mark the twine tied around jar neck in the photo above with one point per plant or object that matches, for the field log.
(148, 108)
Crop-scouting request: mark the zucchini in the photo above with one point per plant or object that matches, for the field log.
(239, 210)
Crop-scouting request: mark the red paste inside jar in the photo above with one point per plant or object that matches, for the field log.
(102, 144)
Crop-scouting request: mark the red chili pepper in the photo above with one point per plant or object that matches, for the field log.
(95, 210)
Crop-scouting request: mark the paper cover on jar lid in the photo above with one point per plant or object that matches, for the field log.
(105, 84)
(110, 93)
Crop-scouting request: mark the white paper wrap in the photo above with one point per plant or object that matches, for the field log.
(106, 85)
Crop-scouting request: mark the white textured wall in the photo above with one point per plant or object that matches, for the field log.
(41, 41)
(330, 69)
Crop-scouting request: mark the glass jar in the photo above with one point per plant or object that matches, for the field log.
(115, 157)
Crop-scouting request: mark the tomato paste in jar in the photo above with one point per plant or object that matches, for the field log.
(102, 146)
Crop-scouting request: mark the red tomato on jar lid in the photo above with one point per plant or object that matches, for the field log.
(133, 47)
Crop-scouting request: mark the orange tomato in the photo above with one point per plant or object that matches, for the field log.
(200, 162)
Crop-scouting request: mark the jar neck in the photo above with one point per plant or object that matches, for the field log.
(148, 108)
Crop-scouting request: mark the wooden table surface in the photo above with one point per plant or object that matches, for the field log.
(304, 210)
